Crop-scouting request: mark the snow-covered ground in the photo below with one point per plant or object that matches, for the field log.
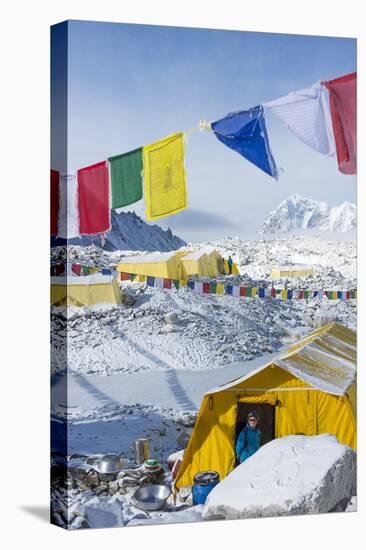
(140, 370)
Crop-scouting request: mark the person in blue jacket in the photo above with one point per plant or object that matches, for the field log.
(230, 265)
(249, 438)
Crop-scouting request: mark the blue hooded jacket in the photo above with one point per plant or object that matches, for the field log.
(248, 442)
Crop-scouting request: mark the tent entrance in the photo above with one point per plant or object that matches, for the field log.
(266, 416)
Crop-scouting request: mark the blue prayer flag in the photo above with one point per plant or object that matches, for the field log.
(191, 285)
(150, 281)
(289, 294)
(246, 133)
(229, 289)
(261, 293)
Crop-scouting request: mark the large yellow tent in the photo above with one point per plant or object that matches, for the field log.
(165, 265)
(309, 390)
(85, 291)
(196, 264)
(291, 271)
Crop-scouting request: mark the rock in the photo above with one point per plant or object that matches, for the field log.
(288, 476)
(171, 318)
(104, 514)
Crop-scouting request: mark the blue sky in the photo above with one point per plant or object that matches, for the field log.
(129, 85)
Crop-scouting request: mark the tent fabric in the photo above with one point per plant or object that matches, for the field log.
(343, 107)
(54, 198)
(245, 132)
(93, 199)
(126, 178)
(300, 406)
(164, 177)
(81, 295)
(291, 271)
(306, 113)
(68, 212)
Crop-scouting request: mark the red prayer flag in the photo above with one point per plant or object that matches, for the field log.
(55, 178)
(125, 276)
(93, 197)
(343, 108)
(348, 295)
(243, 291)
(76, 268)
(206, 288)
(273, 292)
(301, 295)
(167, 283)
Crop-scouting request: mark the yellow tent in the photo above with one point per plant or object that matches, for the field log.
(234, 268)
(291, 271)
(196, 264)
(165, 265)
(309, 390)
(85, 291)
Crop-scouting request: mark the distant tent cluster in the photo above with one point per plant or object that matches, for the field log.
(180, 265)
(310, 389)
(291, 271)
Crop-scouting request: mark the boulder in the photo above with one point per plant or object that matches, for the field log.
(288, 476)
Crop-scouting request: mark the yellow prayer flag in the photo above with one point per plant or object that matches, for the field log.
(254, 291)
(220, 289)
(284, 294)
(164, 177)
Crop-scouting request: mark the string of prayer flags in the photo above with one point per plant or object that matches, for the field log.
(306, 113)
(164, 177)
(245, 132)
(126, 178)
(93, 199)
(54, 199)
(343, 106)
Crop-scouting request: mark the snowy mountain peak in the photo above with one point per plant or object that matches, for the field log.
(300, 213)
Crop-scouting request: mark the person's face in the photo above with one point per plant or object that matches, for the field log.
(252, 422)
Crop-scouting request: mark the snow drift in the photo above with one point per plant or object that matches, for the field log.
(290, 475)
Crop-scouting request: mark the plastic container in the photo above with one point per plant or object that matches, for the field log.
(203, 483)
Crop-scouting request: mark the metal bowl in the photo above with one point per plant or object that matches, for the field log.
(151, 497)
(109, 464)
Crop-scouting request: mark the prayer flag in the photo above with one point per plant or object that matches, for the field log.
(289, 294)
(236, 291)
(261, 293)
(306, 113)
(176, 284)
(343, 107)
(93, 195)
(284, 294)
(150, 281)
(198, 287)
(243, 291)
(55, 179)
(306, 294)
(191, 285)
(106, 271)
(206, 288)
(228, 289)
(76, 268)
(339, 295)
(125, 276)
(86, 270)
(220, 289)
(164, 177)
(213, 288)
(254, 291)
(248, 291)
(273, 292)
(348, 295)
(301, 294)
(245, 132)
(159, 282)
(167, 283)
(126, 178)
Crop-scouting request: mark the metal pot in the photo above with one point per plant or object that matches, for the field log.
(109, 464)
(151, 497)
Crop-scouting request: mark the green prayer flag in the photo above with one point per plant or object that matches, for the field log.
(176, 283)
(306, 294)
(86, 270)
(212, 288)
(248, 291)
(133, 276)
(126, 178)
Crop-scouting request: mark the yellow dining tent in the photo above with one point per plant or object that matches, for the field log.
(196, 264)
(310, 389)
(85, 291)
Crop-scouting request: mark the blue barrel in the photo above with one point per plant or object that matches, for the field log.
(203, 483)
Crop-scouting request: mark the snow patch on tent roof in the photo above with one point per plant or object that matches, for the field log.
(148, 258)
(326, 359)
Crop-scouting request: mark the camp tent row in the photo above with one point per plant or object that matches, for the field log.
(85, 291)
(179, 265)
(308, 390)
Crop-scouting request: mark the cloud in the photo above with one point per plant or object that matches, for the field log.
(194, 219)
